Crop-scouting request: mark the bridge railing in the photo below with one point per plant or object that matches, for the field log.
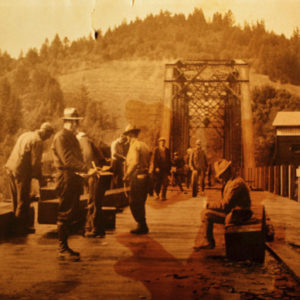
(277, 179)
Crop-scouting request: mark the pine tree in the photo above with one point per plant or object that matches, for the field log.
(32, 57)
(56, 47)
(44, 51)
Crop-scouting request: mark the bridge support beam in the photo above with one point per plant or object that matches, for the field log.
(167, 108)
(246, 119)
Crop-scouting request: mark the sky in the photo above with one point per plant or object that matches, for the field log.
(25, 24)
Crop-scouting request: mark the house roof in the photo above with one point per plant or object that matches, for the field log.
(287, 118)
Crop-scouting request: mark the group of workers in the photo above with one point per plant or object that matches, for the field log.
(78, 162)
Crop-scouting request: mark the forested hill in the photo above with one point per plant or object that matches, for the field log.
(107, 78)
(37, 85)
(166, 36)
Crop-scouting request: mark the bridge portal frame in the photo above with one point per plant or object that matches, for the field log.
(233, 78)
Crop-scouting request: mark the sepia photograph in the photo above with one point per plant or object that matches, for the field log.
(149, 149)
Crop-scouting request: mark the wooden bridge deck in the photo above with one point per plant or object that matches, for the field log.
(160, 265)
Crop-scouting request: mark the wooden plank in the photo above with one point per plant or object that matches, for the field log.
(276, 180)
(271, 179)
(260, 178)
(287, 255)
(290, 183)
(266, 178)
(284, 191)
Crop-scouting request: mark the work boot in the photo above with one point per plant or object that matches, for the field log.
(66, 253)
(90, 234)
(21, 229)
(141, 229)
(205, 244)
(94, 234)
(30, 230)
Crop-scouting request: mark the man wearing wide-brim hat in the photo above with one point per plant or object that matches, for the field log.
(137, 173)
(235, 195)
(68, 162)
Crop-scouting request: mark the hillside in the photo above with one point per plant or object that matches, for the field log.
(117, 82)
(259, 80)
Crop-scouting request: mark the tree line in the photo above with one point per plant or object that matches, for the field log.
(175, 36)
(266, 102)
(30, 96)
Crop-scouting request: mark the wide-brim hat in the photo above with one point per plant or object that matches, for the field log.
(131, 129)
(221, 166)
(198, 142)
(162, 139)
(70, 113)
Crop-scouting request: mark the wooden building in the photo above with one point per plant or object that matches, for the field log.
(287, 144)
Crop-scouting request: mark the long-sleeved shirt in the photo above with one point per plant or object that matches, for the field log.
(198, 160)
(235, 194)
(119, 150)
(162, 159)
(25, 158)
(67, 153)
(90, 153)
(138, 157)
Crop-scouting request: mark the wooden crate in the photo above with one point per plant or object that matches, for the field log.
(109, 215)
(116, 197)
(8, 220)
(47, 210)
(47, 193)
(247, 242)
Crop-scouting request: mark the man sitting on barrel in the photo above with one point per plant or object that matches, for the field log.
(234, 205)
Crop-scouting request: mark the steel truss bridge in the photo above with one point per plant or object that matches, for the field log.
(209, 100)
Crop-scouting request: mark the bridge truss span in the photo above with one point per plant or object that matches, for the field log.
(209, 100)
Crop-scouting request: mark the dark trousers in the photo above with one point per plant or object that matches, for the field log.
(161, 183)
(188, 177)
(94, 217)
(138, 197)
(118, 170)
(209, 217)
(178, 179)
(20, 193)
(68, 215)
(195, 178)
